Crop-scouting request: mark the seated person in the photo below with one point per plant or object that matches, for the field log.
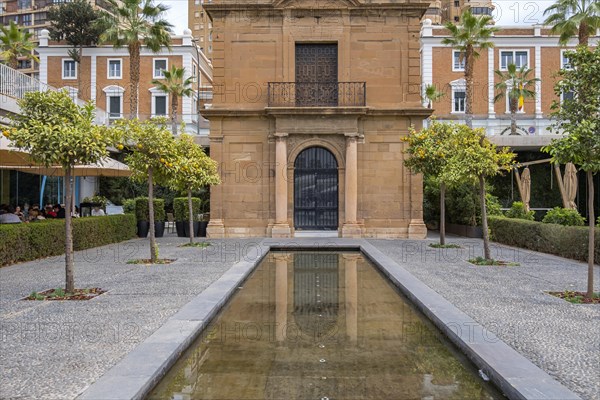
(50, 213)
(97, 212)
(60, 212)
(19, 213)
(9, 216)
(35, 215)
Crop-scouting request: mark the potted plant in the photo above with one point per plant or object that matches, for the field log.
(181, 214)
(142, 216)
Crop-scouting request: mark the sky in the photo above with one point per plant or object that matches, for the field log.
(507, 12)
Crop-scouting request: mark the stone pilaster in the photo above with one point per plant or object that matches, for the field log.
(216, 227)
(416, 228)
(351, 228)
(281, 228)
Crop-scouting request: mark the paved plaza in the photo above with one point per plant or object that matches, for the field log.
(56, 349)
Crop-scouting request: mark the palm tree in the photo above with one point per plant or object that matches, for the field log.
(16, 43)
(133, 23)
(473, 34)
(175, 85)
(515, 84)
(574, 17)
(432, 95)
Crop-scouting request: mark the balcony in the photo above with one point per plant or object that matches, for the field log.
(317, 94)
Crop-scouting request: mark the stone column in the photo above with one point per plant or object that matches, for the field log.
(281, 229)
(351, 227)
(351, 295)
(216, 226)
(281, 296)
(416, 228)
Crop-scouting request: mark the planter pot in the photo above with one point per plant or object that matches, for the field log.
(186, 228)
(203, 226)
(465, 230)
(142, 228)
(159, 228)
(179, 226)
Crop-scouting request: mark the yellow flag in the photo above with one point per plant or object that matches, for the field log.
(521, 99)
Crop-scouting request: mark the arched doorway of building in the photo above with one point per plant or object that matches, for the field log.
(316, 190)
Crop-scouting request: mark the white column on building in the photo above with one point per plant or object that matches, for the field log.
(538, 85)
(93, 72)
(491, 80)
(187, 101)
(281, 227)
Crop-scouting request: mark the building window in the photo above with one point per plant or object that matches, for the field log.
(481, 10)
(564, 60)
(160, 105)
(456, 3)
(114, 69)
(69, 69)
(519, 58)
(24, 4)
(210, 36)
(160, 101)
(459, 97)
(26, 19)
(114, 101)
(459, 60)
(23, 64)
(160, 65)
(196, 14)
(567, 96)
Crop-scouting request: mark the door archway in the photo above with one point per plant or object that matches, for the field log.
(316, 190)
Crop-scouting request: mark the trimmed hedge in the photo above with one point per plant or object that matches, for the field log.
(564, 241)
(26, 242)
(142, 210)
(181, 208)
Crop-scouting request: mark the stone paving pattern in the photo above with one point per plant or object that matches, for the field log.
(561, 338)
(55, 350)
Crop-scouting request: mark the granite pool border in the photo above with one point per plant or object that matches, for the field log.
(141, 369)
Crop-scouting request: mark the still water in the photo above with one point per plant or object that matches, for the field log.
(315, 325)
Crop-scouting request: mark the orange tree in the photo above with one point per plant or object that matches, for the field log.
(579, 119)
(474, 158)
(429, 150)
(152, 158)
(193, 170)
(57, 132)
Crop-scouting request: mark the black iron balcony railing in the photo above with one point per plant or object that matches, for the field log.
(317, 94)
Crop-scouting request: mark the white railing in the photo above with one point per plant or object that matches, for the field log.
(15, 84)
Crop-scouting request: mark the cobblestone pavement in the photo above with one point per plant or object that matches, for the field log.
(54, 350)
(561, 338)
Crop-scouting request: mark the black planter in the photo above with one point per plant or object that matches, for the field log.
(186, 228)
(203, 226)
(179, 226)
(142, 228)
(159, 228)
(465, 230)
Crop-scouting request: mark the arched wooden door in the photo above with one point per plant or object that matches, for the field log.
(316, 190)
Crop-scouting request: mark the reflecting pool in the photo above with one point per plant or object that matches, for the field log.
(321, 325)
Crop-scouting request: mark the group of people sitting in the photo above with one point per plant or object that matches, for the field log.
(14, 215)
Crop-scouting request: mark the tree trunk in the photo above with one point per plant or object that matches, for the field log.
(70, 281)
(584, 34)
(442, 213)
(591, 218)
(174, 104)
(191, 216)
(513, 105)
(153, 249)
(134, 78)
(469, 60)
(13, 62)
(484, 224)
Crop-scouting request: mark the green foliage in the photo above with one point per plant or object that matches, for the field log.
(569, 18)
(193, 168)
(76, 23)
(141, 209)
(16, 43)
(25, 242)
(472, 32)
(96, 199)
(56, 131)
(180, 208)
(463, 205)
(484, 261)
(428, 148)
(598, 221)
(175, 85)
(564, 241)
(579, 117)
(517, 210)
(432, 95)
(129, 206)
(152, 148)
(564, 216)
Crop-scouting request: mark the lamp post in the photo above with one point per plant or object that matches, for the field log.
(195, 41)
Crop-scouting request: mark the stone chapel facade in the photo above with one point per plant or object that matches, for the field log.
(311, 101)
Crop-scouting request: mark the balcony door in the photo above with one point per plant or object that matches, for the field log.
(316, 74)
